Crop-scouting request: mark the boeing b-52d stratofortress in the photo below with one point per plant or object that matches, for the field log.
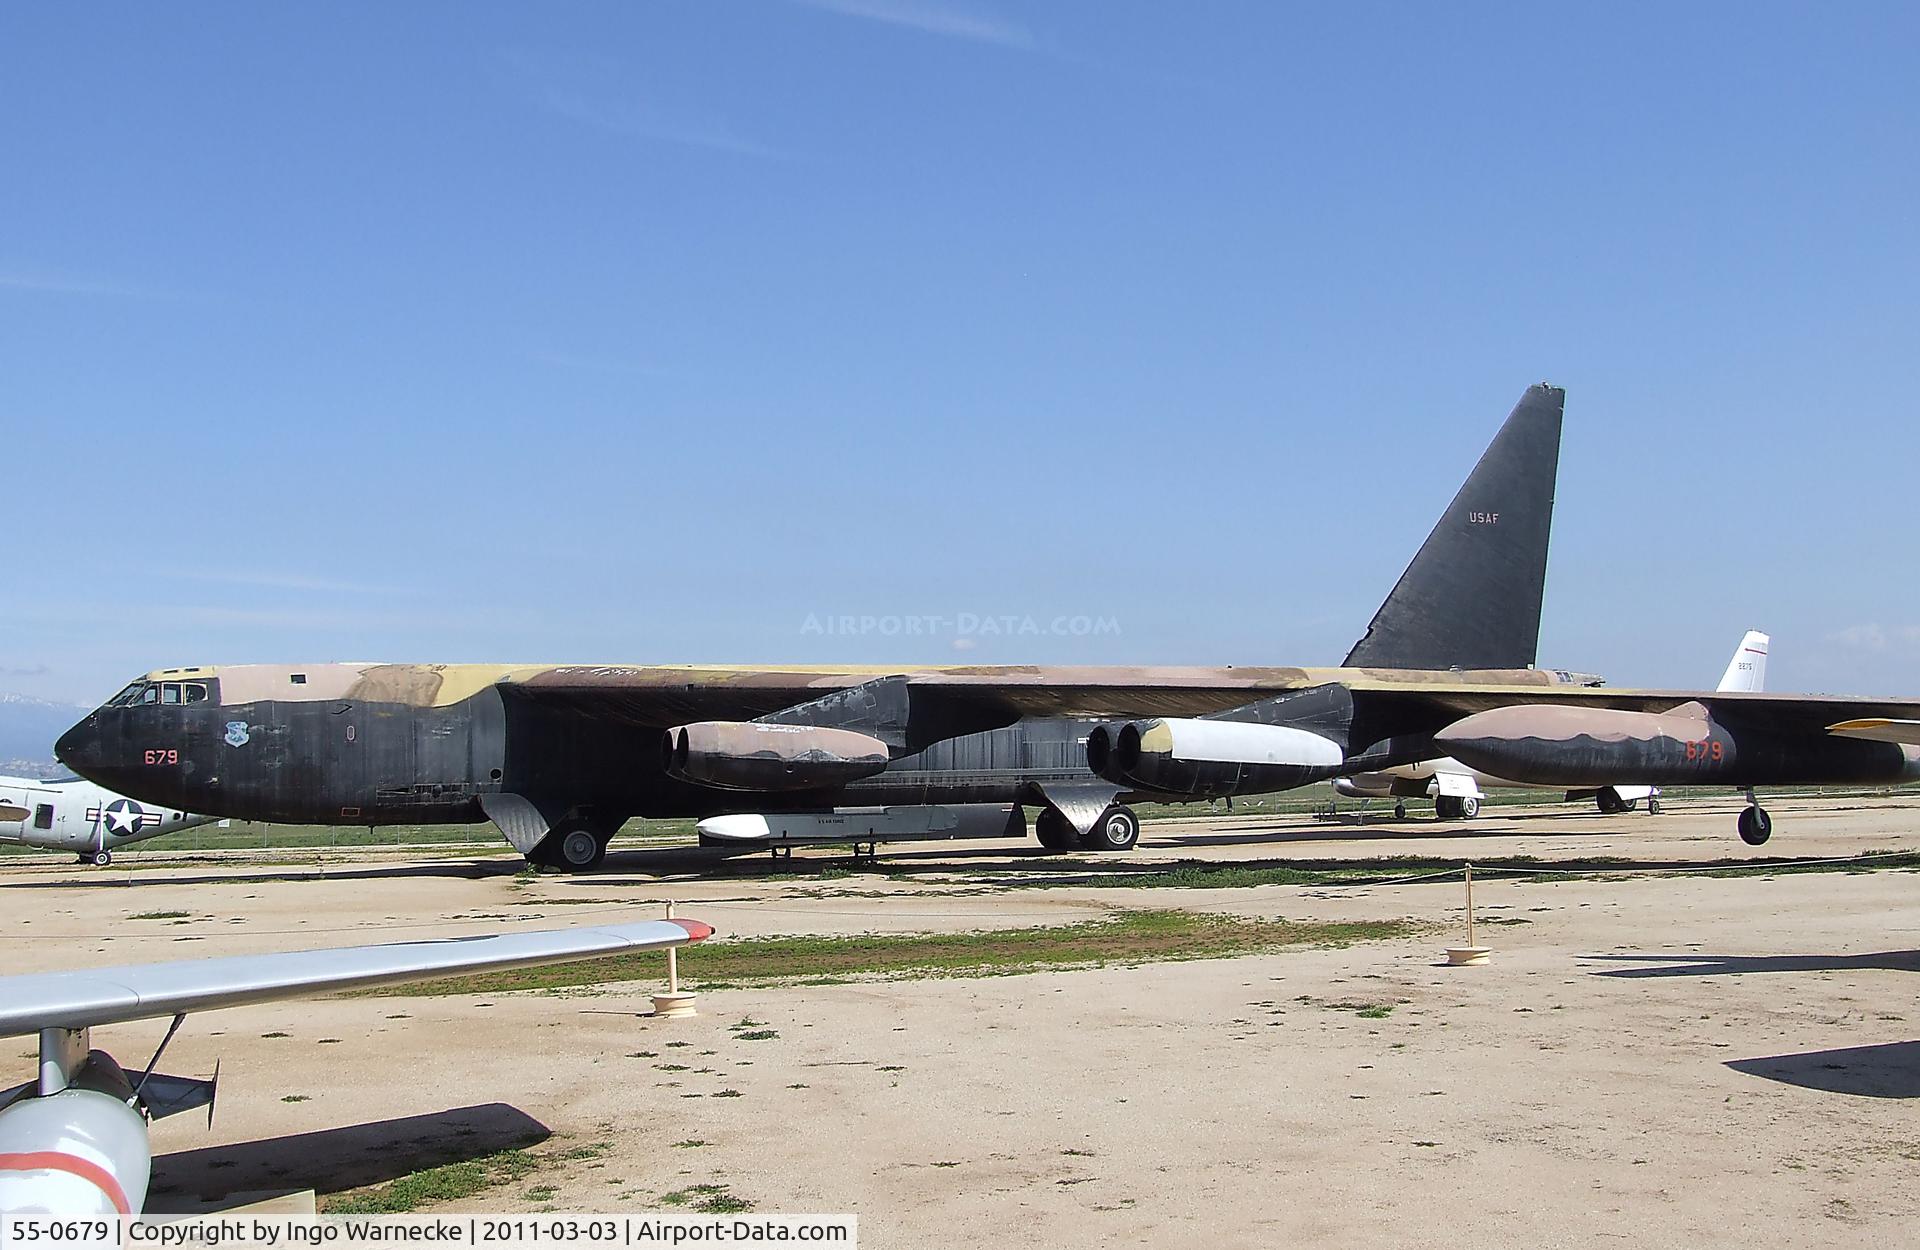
(558, 757)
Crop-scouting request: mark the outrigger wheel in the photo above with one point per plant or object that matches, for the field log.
(1755, 825)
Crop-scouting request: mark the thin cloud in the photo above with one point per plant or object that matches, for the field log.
(598, 91)
(281, 581)
(932, 18)
(1878, 639)
(40, 282)
(643, 123)
(593, 364)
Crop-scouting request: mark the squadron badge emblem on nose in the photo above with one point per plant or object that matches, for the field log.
(236, 733)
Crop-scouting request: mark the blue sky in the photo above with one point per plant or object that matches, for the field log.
(650, 332)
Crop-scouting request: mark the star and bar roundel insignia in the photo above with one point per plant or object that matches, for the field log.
(123, 816)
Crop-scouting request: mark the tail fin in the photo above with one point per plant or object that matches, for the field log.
(1747, 670)
(1471, 597)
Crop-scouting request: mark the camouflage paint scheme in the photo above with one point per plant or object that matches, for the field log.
(383, 743)
(389, 743)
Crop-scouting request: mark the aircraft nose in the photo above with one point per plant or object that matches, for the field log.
(80, 747)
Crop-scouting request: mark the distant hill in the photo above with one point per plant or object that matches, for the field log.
(28, 728)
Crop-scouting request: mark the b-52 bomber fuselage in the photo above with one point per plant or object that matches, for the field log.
(548, 751)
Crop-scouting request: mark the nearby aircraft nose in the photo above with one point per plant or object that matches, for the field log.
(79, 747)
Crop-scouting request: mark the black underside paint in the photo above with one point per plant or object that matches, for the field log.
(381, 763)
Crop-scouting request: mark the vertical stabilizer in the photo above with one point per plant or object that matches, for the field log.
(1471, 597)
(1747, 670)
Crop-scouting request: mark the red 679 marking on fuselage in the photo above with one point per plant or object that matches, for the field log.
(165, 755)
(1707, 749)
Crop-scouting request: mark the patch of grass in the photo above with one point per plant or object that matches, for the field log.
(540, 1193)
(160, 915)
(295, 1098)
(728, 1093)
(692, 1143)
(276, 1034)
(757, 1035)
(1127, 936)
(446, 1183)
(1379, 1011)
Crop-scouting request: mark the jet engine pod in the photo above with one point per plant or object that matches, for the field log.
(749, 755)
(1210, 758)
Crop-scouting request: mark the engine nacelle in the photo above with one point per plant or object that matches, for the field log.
(1210, 758)
(750, 755)
(1363, 786)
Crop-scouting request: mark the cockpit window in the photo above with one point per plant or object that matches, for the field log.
(168, 693)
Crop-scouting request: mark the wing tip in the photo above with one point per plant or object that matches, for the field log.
(697, 931)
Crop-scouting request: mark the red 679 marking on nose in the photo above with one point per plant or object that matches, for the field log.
(169, 755)
(1706, 750)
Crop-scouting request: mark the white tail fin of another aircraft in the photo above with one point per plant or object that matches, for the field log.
(1747, 670)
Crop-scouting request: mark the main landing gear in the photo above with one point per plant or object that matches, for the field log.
(98, 858)
(1755, 825)
(1455, 807)
(1118, 829)
(575, 845)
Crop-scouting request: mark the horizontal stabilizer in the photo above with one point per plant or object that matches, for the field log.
(1879, 729)
(78, 1000)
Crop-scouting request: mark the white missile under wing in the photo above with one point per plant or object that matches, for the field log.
(74, 1140)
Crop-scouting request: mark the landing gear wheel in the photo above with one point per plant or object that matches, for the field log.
(1055, 831)
(1755, 825)
(101, 858)
(1446, 807)
(1118, 829)
(1608, 800)
(1469, 807)
(1630, 805)
(1399, 811)
(573, 846)
(1653, 807)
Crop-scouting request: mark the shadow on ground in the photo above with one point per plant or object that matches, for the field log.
(1732, 965)
(336, 1159)
(1889, 1070)
(241, 874)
